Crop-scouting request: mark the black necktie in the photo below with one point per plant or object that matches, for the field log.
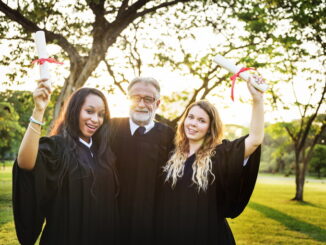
(140, 131)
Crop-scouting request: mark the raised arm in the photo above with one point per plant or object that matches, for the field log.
(256, 131)
(29, 146)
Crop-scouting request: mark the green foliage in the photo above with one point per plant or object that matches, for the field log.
(15, 111)
(10, 130)
(278, 154)
(318, 161)
(234, 131)
(304, 21)
(278, 151)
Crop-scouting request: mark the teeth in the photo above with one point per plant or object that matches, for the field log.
(191, 130)
(92, 127)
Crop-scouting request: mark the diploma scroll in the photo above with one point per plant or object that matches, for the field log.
(42, 54)
(231, 67)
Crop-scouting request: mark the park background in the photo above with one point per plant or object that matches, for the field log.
(105, 44)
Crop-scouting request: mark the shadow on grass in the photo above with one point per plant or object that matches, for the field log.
(291, 223)
(304, 203)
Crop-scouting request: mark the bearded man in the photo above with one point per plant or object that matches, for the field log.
(141, 146)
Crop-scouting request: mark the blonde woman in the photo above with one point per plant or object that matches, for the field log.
(207, 179)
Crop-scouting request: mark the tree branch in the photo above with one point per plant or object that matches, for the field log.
(97, 7)
(31, 27)
(132, 10)
(163, 5)
(115, 81)
(311, 119)
(123, 7)
(16, 16)
(316, 140)
(291, 134)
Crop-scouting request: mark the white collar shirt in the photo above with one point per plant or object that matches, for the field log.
(87, 144)
(134, 126)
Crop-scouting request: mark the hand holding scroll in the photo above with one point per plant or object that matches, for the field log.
(42, 95)
(259, 84)
(43, 57)
(256, 94)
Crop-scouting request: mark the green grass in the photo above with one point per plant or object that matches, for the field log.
(7, 229)
(272, 218)
(269, 219)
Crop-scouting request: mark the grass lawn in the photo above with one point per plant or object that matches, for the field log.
(7, 229)
(272, 218)
(269, 219)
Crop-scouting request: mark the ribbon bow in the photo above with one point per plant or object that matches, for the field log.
(235, 76)
(43, 60)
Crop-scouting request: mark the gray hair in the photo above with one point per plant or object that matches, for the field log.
(147, 81)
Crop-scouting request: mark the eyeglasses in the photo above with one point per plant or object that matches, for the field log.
(148, 100)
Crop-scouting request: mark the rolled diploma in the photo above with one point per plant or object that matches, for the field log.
(42, 54)
(231, 67)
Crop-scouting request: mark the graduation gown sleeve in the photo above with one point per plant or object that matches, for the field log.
(32, 190)
(236, 181)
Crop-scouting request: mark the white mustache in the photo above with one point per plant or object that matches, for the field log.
(141, 110)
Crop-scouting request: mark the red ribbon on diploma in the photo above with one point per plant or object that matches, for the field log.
(43, 60)
(235, 76)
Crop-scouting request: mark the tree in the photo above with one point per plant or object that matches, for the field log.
(84, 34)
(303, 39)
(278, 150)
(305, 135)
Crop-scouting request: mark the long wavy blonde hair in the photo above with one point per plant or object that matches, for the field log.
(202, 167)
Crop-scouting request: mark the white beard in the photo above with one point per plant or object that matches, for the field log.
(139, 117)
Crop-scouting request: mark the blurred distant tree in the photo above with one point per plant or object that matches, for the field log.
(10, 131)
(279, 153)
(22, 103)
(318, 161)
(15, 110)
(305, 134)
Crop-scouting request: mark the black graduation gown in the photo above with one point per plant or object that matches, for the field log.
(139, 164)
(82, 211)
(188, 217)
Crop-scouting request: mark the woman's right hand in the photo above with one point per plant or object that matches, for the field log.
(28, 149)
(42, 95)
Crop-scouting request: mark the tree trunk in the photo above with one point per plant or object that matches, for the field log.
(68, 87)
(299, 180)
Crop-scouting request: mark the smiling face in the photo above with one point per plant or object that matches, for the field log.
(196, 125)
(91, 116)
(144, 103)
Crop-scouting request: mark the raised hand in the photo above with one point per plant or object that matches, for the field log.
(42, 95)
(256, 94)
(29, 147)
(256, 131)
